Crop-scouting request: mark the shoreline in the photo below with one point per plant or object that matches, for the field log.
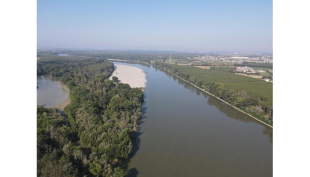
(260, 121)
(61, 106)
(128, 61)
(221, 100)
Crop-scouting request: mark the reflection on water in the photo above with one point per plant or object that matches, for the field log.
(223, 107)
(186, 132)
(50, 92)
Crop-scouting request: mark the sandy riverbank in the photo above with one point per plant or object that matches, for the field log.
(133, 76)
(62, 105)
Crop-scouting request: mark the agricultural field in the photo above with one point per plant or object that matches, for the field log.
(255, 87)
(203, 67)
(258, 75)
(257, 65)
(261, 68)
(250, 75)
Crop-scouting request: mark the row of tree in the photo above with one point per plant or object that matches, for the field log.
(97, 134)
(236, 92)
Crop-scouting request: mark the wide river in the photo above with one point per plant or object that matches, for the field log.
(186, 132)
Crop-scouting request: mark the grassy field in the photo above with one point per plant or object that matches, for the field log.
(255, 87)
(257, 65)
(260, 68)
(203, 67)
(175, 60)
(252, 76)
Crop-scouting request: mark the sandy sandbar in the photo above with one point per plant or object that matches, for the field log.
(133, 76)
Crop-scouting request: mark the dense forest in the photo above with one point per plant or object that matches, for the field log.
(253, 96)
(97, 132)
(56, 66)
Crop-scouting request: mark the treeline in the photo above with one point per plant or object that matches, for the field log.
(97, 134)
(56, 66)
(142, 56)
(260, 65)
(251, 95)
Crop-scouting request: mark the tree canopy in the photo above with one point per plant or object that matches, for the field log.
(97, 132)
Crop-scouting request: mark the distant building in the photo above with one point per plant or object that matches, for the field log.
(261, 71)
(267, 80)
(239, 57)
(184, 64)
(245, 70)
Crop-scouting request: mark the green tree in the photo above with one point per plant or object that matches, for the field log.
(95, 169)
(118, 172)
(115, 79)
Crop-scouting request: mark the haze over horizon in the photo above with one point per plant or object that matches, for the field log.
(239, 26)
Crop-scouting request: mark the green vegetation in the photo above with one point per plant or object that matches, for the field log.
(259, 65)
(141, 56)
(56, 66)
(259, 68)
(97, 132)
(267, 77)
(254, 96)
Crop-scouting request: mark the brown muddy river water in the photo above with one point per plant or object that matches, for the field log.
(185, 132)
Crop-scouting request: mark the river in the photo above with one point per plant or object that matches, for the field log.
(51, 93)
(186, 132)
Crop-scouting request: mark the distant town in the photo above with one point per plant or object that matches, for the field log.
(259, 66)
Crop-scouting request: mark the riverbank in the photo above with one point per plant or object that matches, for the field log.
(61, 106)
(133, 76)
(184, 128)
(209, 94)
(52, 93)
(220, 99)
(128, 61)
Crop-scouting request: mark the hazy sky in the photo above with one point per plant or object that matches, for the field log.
(206, 25)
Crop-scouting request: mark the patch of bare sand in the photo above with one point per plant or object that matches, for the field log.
(62, 105)
(133, 76)
(203, 67)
